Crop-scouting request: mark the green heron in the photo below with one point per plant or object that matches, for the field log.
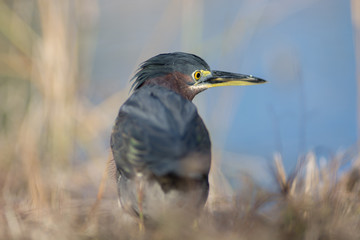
(160, 144)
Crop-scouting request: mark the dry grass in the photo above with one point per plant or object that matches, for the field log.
(51, 162)
(314, 203)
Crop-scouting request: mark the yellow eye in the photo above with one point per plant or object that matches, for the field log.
(197, 75)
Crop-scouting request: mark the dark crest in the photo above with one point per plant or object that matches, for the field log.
(166, 63)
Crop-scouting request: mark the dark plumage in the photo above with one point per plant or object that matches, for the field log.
(160, 135)
(160, 144)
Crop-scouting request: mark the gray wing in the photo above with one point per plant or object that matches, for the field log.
(160, 132)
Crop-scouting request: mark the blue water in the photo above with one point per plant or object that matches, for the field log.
(307, 55)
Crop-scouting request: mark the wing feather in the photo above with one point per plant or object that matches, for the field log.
(160, 132)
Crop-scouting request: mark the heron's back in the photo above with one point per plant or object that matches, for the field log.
(160, 140)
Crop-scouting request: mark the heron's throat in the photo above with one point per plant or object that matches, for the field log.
(177, 82)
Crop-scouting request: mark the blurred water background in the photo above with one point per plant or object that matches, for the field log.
(305, 49)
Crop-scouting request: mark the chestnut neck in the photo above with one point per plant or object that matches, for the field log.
(177, 82)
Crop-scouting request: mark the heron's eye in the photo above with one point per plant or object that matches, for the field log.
(197, 75)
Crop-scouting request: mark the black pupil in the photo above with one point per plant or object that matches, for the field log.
(197, 76)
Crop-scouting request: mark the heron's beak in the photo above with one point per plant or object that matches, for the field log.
(219, 78)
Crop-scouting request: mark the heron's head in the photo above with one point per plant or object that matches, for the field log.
(186, 74)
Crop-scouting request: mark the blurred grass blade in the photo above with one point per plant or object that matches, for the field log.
(18, 33)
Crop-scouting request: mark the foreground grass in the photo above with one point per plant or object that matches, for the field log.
(311, 204)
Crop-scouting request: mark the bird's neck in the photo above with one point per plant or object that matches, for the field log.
(176, 82)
